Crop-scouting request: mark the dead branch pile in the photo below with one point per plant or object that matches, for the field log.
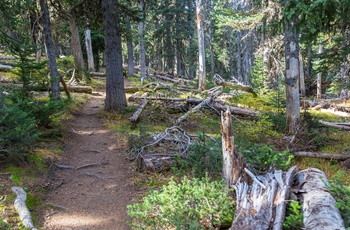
(158, 154)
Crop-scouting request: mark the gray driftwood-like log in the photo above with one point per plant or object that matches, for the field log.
(319, 209)
(98, 74)
(261, 206)
(345, 126)
(316, 105)
(139, 110)
(5, 67)
(322, 155)
(155, 162)
(235, 110)
(233, 163)
(21, 207)
(219, 81)
(194, 109)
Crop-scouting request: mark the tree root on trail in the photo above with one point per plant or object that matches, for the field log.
(60, 166)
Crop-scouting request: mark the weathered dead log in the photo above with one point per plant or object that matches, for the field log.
(214, 92)
(21, 207)
(345, 126)
(139, 110)
(98, 74)
(322, 155)
(257, 205)
(5, 67)
(65, 86)
(319, 209)
(155, 162)
(195, 109)
(235, 110)
(233, 163)
(219, 81)
(316, 105)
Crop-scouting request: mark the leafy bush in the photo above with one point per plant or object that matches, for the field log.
(341, 194)
(205, 157)
(18, 130)
(263, 157)
(294, 216)
(190, 204)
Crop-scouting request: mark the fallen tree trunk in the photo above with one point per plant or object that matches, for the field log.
(235, 110)
(139, 110)
(5, 67)
(324, 105)
(195, 109)
(319, 209)
(219, 81)
(155, 162)
(322, 155)
(21, 207)
(98, 74)
(345, 126)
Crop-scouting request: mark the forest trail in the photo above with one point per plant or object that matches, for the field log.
(96, 195)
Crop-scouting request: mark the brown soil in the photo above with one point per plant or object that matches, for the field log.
(95, 196)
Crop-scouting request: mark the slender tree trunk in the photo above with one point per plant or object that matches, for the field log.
(191, 56)
(319, 77)
(2, 101)
(302, 76)
(211, 39)
(115, 94)
(91, 65)
(309, 61)
(292, 76)
(201, 48)
(76, 46)
(142, 41)
(54, 75)
(131, 64)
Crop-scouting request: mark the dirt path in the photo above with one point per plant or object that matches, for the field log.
(96, 196)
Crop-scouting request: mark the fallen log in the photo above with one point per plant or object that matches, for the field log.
(315, 105)
(319, 208)
(345, 126)
(98, 74)
(219, 81)
(322, 155)
(155, 162)
(235, 110)
(21, 207)
(139, 110)
(5, 67)
(195, 109)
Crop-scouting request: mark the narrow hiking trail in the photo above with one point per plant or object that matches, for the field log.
(94, 192)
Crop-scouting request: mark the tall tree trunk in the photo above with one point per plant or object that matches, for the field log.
(292, 76)
(142, 41)
(2, 101)
(211, 39)
(115, 94)
(319, 77)
(191, 56)
(76, 46)
(54, 75)
(131, 64)
(302, 76)
(179, 69)
(90, 56)
(309, 61)
(201, 48)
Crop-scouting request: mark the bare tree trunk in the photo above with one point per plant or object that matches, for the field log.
(2, 101)
(201, 48)
(76, 46)
(91, 65)
(54, 75)
(319, 209)
(115, 93)
(309, 61)
(292, 76)
(211, 39)
(131, 63)
(302, 76)
(319, 77)
(142, 41)
(191, 56)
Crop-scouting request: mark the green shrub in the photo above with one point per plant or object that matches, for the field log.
(341, 194)
(263, 157)
(294, 216)
(18, 130)
(190, 204)
(204, 157)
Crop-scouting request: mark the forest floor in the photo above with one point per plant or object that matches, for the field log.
(95, 192)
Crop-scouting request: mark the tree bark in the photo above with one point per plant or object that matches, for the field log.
(319, 209)
(130, 47)
(138, 112)
(319, 76)
(191, 56)
(302, 76)
(201, 48)
(142, 41)
(91, 65)
(322, 155)
(76, 46)
(115, 94)
(54, 75)
(21, 207)
(292, 76)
